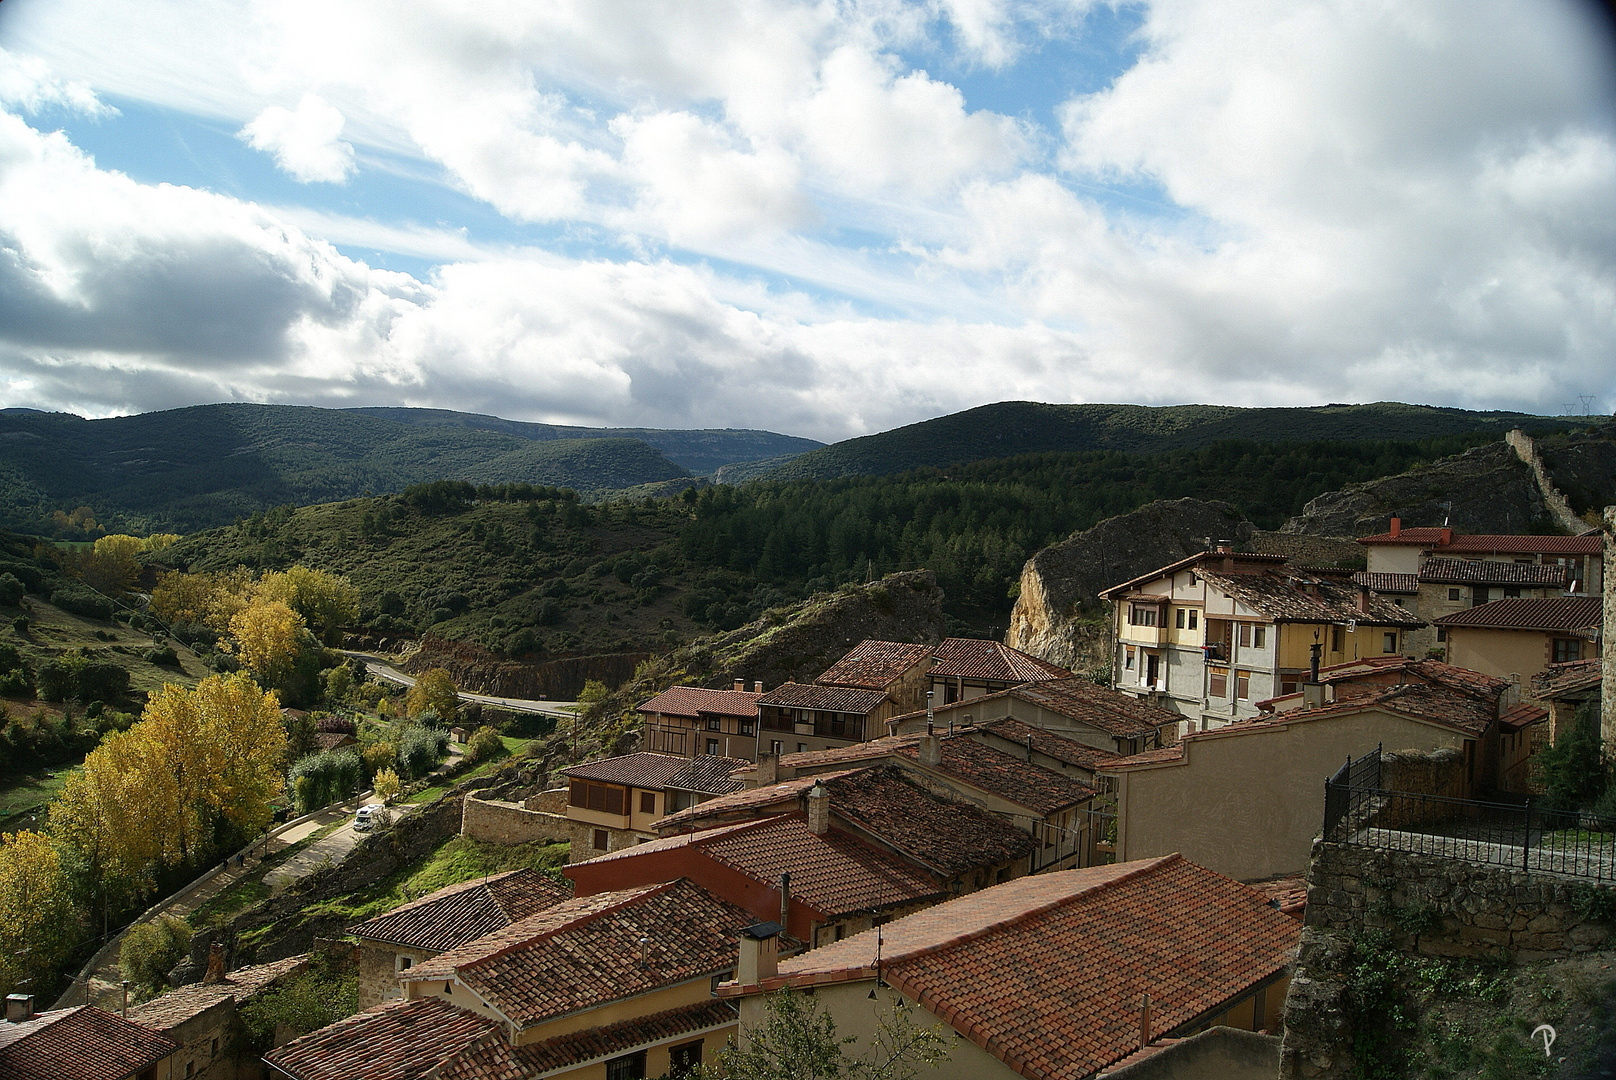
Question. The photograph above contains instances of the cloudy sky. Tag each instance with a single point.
(819, 218)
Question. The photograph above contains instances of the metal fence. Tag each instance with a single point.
(1358, 811)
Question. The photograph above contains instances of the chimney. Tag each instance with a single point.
(1313, 661)
(740, 684)
(1363, 599)
(757, 686)
(1144, 1021)
(1447, 537)
(768, 769)
(1312, 695)
(1224, 548)
(818, 809)
(785, 899)
(1397, 527)
(758, 959)
(215, 972)
(931, 749)
(19, 1007)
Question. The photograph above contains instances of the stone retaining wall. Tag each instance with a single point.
(511, 823)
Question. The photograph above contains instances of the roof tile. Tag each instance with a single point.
(396, 1040)
(645, 769)
(1481, 572)
(193, 999)
(793, 695)
(456, 914)
(692, 701)
(873, 664)
(975, 658)
(1560, 613)
(83, 1042)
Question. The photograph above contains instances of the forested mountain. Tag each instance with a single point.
(194, 468)
(1022, 427)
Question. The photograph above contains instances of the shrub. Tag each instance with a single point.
(338, 681)
(102, 680)
(338, 725)
(484, 745)
(150, 951)
(17, 683)
(58, 679)
(20, 624)
(1573, 770)
(379, 757)
(162, 657)
(11, 590)
(419, 749)
(313, 999)
(82, 601)
(323, 778)
(387, 785)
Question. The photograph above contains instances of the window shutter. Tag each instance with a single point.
(614, 800)
(578, 794)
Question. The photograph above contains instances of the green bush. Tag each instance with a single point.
(419, 749)
(82, 601)
(310, 1000)
(485, 744)
(17, 683)
(150, 951)
(1573, 771)
(324, 778)
(165, 656)
(11, 590)
(75, 677)
(20, 624)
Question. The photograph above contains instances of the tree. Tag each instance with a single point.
(268, 636)
(38, 924)
(151, 949)
(1574, 770)
(485, 744)
(112, 565)
(797, 1041)
(244, 744)
(387, 785)
(435, 690)
(327, 602)
(337, 683)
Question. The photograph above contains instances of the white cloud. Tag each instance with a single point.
(26, 83)
(305, 141)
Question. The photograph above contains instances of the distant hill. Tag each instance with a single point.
(1009, 428)
(186, 469)
(702, 452)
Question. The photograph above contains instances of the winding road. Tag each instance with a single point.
(381, 667)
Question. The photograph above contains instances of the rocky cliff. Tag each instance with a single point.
(1064, 579)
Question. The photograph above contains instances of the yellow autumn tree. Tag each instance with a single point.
(183, 598)
(111, 565)
(267, 636)
(328, 602)
(435, 690)
(38, 926)
(244, 745)
(101, 814)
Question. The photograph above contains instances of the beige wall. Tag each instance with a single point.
(510, 823)
(1505, 653)
(1248, 804)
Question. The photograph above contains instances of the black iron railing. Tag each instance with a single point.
(1519, 835)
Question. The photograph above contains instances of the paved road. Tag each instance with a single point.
(381, 668)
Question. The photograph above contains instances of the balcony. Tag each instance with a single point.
(1143, 635)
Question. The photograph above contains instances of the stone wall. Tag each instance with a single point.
(511, 823)
(553, 801)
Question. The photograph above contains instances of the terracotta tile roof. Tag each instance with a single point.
(972, 658)
(693, 701)
(396, 1040)
(83, 1042)
(1285, 594)
(193, 999)
(1403, 584)
(1111, 711)
(1434, 703)
(1479, 572)
(644, 769)
(949, 838)
(1044, 791)
(1418, 537)
(885, 746)
(493, 1058)
(1149, 757)
(873, 665)
(333, 740)
(708, 774)
(747, 802)
(794, 695)
(1379, 670)
(1559, 613)
(460, 913)
(1248, 558)
(1050, 743)
(561, 967)
(1288, 894)
(1586, 544)
(1571, 677)
(1522, 716)
(1046, 972)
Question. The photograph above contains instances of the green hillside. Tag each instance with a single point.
(703, 452)
(1009, 428)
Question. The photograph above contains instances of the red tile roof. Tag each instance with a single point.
(636, 941)
(972, 658)
(1247, 558)
(492, 1058)
(1046, 972)
(644, 769)
(460, 913)
(1481, 572)
(193, 999)
(1491, 543)
(1149, 757)
(709, 774)
(692, 701)
(1111, 711)
(1049, 743)
(743, 803)
(885, 746)
(84, 1043)
(1044, 791)
(1288, 894)
(1434, 703)
(1522, 716)
(396, 1040)
(1560, 613)
(1404, 584)
(1571, 677)
(1380, 670)
(874, 665)
(794, 695)
(1285, 594)
(1417, 537)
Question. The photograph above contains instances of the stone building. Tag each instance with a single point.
(200, 1017)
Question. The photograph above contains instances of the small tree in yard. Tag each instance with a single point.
(1574, 771)
(796, 1041)
(434, 690)
(386, 785)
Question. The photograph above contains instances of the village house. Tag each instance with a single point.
(864, 843)
(1565, 688)
(1244, 799)
(688, 720)
(617, 984)
(1406, 551)
(1515, 639)
(1209, 636)
(798, 717)
(1053, 805)
(413, 933)
(1074, 708)
(200, 1018)
(82, 1041)
(966, 668)
(896, 668)
(1057, 976)
(618, 802)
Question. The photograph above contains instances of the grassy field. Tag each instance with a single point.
(22, 802)
(55, 631)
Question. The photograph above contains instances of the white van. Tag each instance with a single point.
(369, 816)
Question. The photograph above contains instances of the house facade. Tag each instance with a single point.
(687, 721)
(618, 802)
(1515, 639)
(1211, 635)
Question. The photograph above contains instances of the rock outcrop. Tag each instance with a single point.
(1061, 581)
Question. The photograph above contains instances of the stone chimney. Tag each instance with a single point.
(1397, 527)
(931, 749)
(19, 1007)
(1312, 695)
(759, 959)
(757, 686)
(768, 769)
(1447, 537)
(818, 809)
(215, 972)
(785, 899)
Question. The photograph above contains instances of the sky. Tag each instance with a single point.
(819, 218)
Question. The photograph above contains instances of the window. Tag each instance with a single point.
(1218, 684)
(1453, 594)
(802, 748)
(1389, 642)
(1259, 637)
(627, 1067)
(603, 840)
(214, 1049)
(190, 1069)
(712, 747)
(714, 724)
(1127, 658)
(1566, 649)
(1336, 638)
(1442, 633)
(776, 747)
(1142, 614)
(1288, 684)
(1245, 635)
(1181, 618)
(647, 802)
(1479, 596)
(405, 963)
(1242, 685)
(683, 1059)
(748, 727)
(1512, 592)
(1195, 617)
(587, 796)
